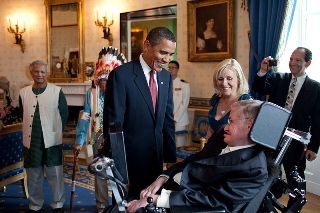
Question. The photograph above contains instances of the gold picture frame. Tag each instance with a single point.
(210, 30)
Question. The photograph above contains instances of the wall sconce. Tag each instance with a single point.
(17, 30)
(104, 24)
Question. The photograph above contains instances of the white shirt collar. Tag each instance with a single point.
(234, 148)
(146, 70)
(145, 67)
(300, 79)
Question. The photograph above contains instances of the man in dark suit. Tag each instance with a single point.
(146, 118)
(229, 178)
(305, 106)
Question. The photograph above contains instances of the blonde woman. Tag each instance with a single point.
(230, 85)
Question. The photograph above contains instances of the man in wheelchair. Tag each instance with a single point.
(226, 175)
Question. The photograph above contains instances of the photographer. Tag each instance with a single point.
(299, 94)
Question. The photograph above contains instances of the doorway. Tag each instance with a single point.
(135, 25)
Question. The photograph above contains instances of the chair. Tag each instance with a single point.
(11, 152)
(270, 131)
(194, 138)
(200, 125)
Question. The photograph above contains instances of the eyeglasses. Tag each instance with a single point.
(231, 121)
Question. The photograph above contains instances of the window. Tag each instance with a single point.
(306, 33)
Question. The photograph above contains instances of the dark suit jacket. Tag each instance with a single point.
(305, 111)
(148, 136)
(229, 181)
(213, 147)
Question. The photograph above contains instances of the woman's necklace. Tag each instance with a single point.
(224, 106)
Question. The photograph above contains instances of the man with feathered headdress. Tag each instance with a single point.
(92, 116)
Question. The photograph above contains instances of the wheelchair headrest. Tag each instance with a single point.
(270, 124)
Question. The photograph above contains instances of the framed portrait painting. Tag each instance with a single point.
(210, 30)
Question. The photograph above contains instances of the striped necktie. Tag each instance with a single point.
(291, 94)
(153, 89)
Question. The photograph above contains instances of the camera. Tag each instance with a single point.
(273, 63)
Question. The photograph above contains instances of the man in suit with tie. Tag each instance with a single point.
(298, 93)
(227, 173)
(139, 99)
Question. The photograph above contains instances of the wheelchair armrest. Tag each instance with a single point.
(196, 209)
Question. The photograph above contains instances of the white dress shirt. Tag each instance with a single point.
(146, 70)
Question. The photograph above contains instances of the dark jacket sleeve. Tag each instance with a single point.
(63, 108)
(315, 122)
(113, 111)
(213, 147)
(222, 185)
(169, 145)
(259, 84)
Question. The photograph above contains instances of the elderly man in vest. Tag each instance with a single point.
(45, 111)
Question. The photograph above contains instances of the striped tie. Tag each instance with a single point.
(291, 94)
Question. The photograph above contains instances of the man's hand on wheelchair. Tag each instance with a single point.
(134, 205)
(310, 155)
(154, 187)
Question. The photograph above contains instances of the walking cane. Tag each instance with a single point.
(73, 185)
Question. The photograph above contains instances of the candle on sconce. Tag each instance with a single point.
(105, 12)
(9, 21)
(111, 16)
(96, 14)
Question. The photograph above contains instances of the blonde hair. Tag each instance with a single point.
(233, 65)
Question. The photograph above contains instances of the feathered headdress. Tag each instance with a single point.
(108, 60)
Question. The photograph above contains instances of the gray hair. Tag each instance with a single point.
(249, 108)
(38, 62)
(233, 65)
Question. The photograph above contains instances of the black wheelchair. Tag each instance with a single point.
(272, 118)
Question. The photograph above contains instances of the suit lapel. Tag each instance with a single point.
(161, 90)
(287, 83)
(142, 85)
(284, 88)
(303, 94)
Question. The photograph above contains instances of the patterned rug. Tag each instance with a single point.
(13, 199)
(83, 177)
